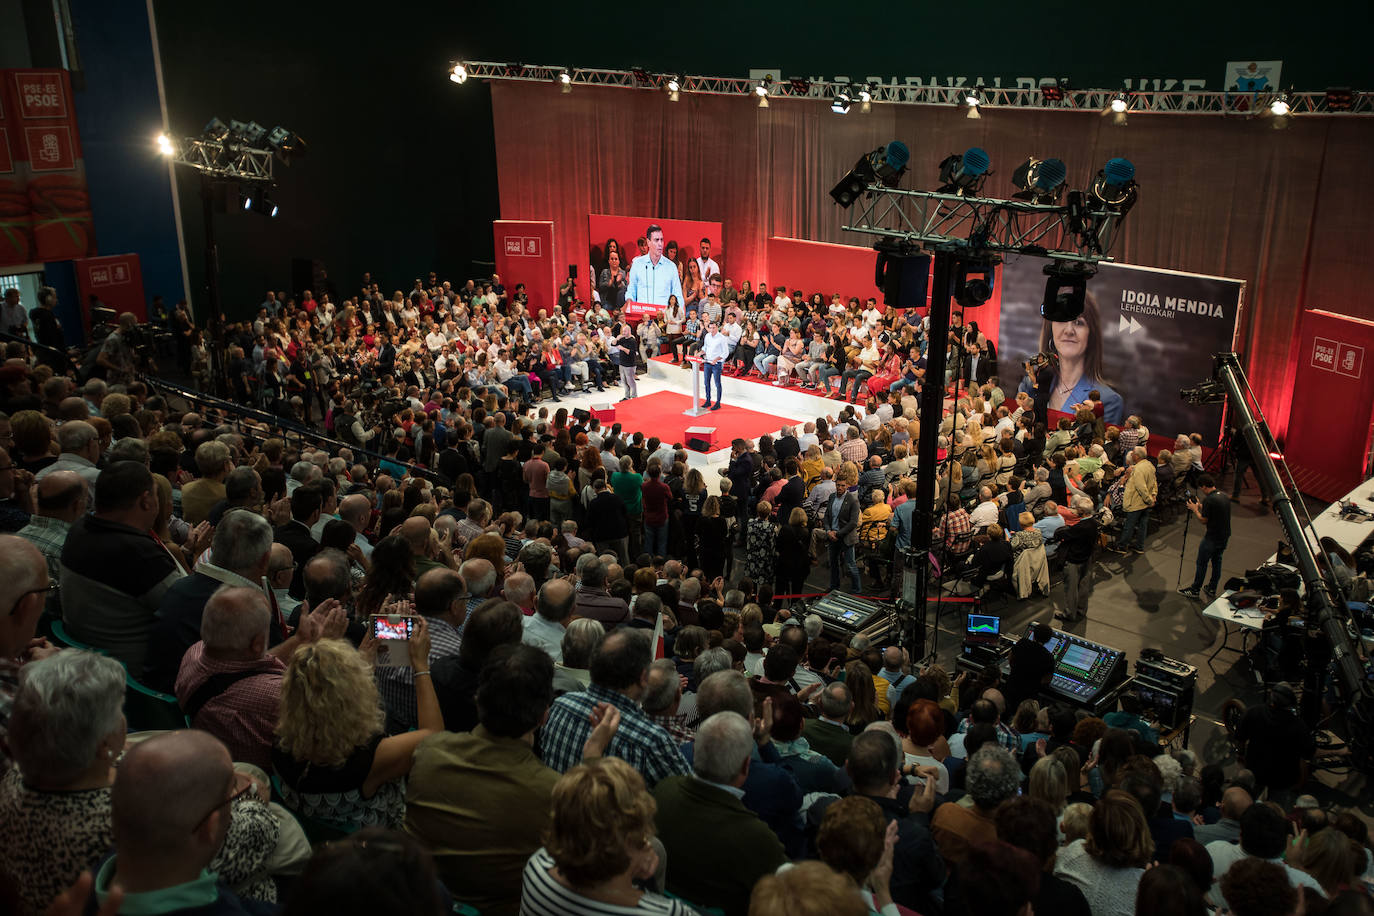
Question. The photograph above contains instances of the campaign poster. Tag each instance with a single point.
(524, 254)
(1145, 334)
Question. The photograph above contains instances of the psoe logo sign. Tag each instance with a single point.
(521, 246)
(513, 245)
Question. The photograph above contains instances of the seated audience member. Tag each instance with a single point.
(1029, 823)
(853, 839)
(554, 607)
(813, 771)
(440, 598)
(114, 573)
(992, 777)
(479, 801)
(229, 683)
(662, 699)
(1167, 890)
(598, 845)
(828, 733)
(770, 791)
(199, 496)
(1107, 865)
(63, 497)
(619, 671)
(1003, 880)
(494, 623)
(373, 871)
(23, 586)
(332, 757)
(242, 550)
(593, 600)
(809, 889)
(173, 810)
(1254, 887)
(579, 644)
(1264, 836)
(716, 847)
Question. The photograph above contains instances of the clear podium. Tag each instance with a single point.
(696, 409)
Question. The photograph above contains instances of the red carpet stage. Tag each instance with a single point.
(662, 415)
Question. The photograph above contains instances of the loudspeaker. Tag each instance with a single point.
(580, 415)
(572, 271)
(903, 279)
(698, 445)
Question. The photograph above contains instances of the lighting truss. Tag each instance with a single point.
(986, 225)
(227, 161)
(1161, 101)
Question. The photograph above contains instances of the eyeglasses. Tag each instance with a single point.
(48, 589)
(247, 787)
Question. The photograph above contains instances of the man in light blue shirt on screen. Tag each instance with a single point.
(653, 278)
(714, 350)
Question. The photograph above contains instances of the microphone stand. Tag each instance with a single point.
(1183, 551)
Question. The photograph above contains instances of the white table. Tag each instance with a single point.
(1245, 622)
(1329, 524)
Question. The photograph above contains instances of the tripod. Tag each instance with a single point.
(1183, 551)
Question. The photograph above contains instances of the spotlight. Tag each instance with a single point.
(215, 130)
(854, 183)
(1120, 102)
(841, 103)
(1340, 98)
(641, 75)
(1052, 92)
(866, 98)
(761, 90)
(1114, 188)
(886, 164)
(1280, 107)
(799, 85)
(246, 200)
(674, 86)
(285, 144)
(273, 211)
(1041, 181)
(459, 74)
(249, 134)
(974, 99)
(164, 145)
(964, 175)
(973, 286)
(1065, 290)
(1117, 108)
(565, 78)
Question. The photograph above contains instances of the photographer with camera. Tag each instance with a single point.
(123, 351)
(1215, 510)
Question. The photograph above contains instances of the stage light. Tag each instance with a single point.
(273, 212)
(459, 74)
(1340, 98)
(800, 85)
(1120, 102)
(1117, 108)
(964, 175)
(215, 129)
(866, 98)
(761, 90)
(854, 182)
(973, 98)
(1065, 289)
(973, 285)
(164, 145)
(1280, 107)
(1052, 92)
(841, 102)
(1114, 188)
(565, 78)
(285, 144)
(642, 76)
(246, 200)
(1041, 181)
(249, 134)
(674, 86)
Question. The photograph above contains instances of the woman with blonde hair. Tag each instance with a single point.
(332, 756)
(1108, 864)
(1049, 781)
(859, 680)
(600, 842)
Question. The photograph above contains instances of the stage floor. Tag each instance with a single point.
(662, 414)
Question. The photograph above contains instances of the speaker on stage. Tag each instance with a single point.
(903, 279)
(580, 415)
(698, 445)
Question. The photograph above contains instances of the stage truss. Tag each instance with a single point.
(1044, 97)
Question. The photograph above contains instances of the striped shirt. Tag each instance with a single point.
(639, 742)
(542, 895)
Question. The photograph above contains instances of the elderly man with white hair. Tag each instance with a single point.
(80, 444)
(718, 847)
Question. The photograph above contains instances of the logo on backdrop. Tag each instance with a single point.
(50, 148)
(1335, 356)
(40, 94)
(1252, 75)
(522, 246)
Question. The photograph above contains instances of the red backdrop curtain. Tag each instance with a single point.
(1287, 210)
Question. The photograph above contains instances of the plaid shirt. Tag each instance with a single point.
(397, 684)
(639, 742)
(245, 714)
(955, 528)
(855, 450)
(1006, 735)
(48, 535)
(676, 727)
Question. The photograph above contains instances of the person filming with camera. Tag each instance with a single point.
(1214, 509)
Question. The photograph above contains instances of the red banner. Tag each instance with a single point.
(45, 212)
(524, 254)
(1327, 439)
(116, 280)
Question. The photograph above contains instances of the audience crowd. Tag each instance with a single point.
(604, 698)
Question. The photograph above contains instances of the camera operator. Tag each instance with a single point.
(123, 351)
(1215, 510)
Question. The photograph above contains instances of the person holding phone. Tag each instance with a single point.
(332, 754)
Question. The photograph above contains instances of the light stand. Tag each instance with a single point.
(966, 232)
